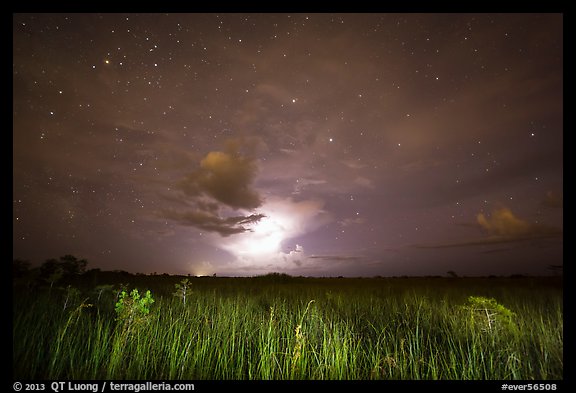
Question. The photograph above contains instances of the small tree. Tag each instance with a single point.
(183, 290)
(132, 314)
(133, 309)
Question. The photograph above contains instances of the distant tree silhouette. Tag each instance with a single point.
(452, 274)
(51, 272)
(275, 277)
(20, 268)
(72, 265)
(50, 267)
(515, 276)
(67, 266)
(556, 269)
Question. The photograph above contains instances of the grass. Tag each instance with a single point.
(297, 328)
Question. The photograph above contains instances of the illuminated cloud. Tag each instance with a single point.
(505, 224)
(502, 227)
(261, 249)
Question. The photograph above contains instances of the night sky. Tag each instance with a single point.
(309, 144)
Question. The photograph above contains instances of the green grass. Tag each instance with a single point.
(293, 329)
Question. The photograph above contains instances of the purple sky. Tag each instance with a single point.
(310, 144)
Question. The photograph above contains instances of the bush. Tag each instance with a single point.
(132, 310)
(489, 315)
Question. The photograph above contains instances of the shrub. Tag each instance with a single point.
(489, 315)
(132, 310)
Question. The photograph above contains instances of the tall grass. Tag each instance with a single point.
(302, 329)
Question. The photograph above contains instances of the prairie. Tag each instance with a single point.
(278, 327)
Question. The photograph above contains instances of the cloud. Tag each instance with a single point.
(212, 222)
(502, 227)
(364, 182)
(274, 92)
(225, 177)
(338, 258)
(295, 257)
(221, 185)
(505, 224)
(553, 200)
(352, 221)
(262, 249)
(303, 183)
(353, 164)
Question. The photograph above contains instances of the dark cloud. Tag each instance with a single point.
(222, 182)
(337, 257)
(226, 177)
(212, 222)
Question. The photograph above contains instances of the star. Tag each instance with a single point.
(174, 125)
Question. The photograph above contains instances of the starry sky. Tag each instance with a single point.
(309, 144)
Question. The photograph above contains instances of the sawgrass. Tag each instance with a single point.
(240, 329)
